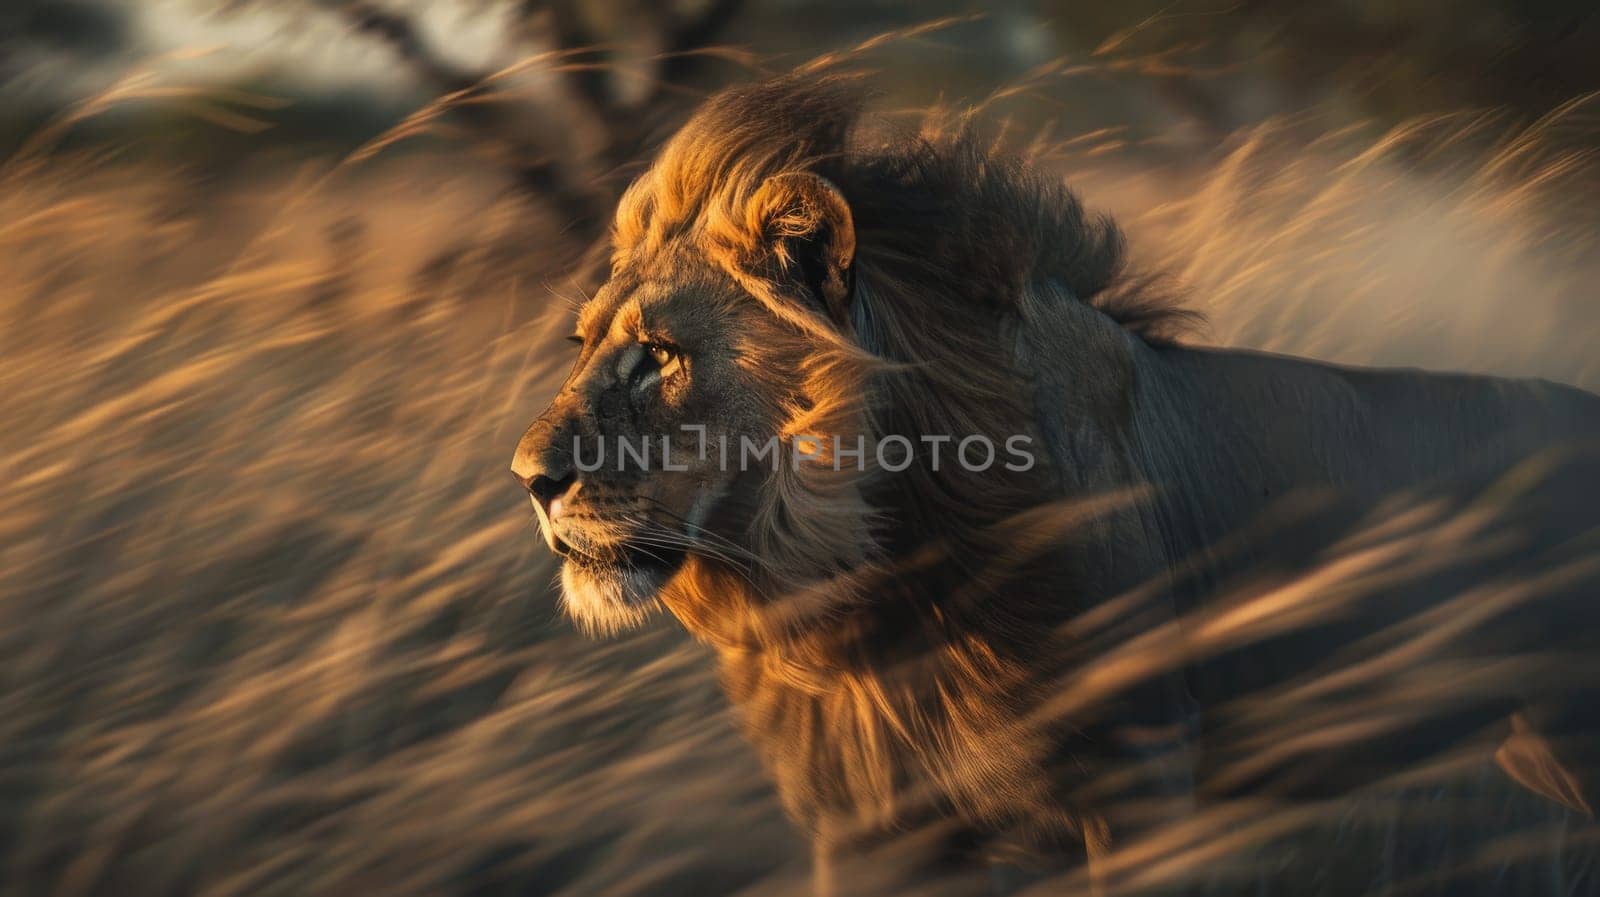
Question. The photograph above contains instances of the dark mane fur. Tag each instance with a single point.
(919, 670)
(940, 213)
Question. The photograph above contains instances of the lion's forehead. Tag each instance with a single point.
(596, 315)
(671, 291)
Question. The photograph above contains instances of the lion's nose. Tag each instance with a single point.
(549, 476)
(550, 494)
(550, 491)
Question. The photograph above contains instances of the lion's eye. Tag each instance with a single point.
(667, 358)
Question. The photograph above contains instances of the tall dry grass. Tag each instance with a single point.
(273, 616)
(1468, 241)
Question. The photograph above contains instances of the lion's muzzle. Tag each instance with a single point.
(547, 472)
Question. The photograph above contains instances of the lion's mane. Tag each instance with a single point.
(869, 658)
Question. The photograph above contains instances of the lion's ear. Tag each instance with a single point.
(807, 223)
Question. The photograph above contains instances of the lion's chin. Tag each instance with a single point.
(605, 599)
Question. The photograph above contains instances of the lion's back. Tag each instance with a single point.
(1474, 421)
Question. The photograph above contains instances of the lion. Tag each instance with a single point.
(942, 662)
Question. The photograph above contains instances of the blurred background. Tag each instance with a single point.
(282, 281)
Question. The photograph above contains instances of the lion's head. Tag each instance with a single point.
(721, 334)
(772, 278)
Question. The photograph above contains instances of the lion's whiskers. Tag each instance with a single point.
(659, 536)
(701, 535)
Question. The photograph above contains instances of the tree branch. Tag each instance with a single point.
(625, 129)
